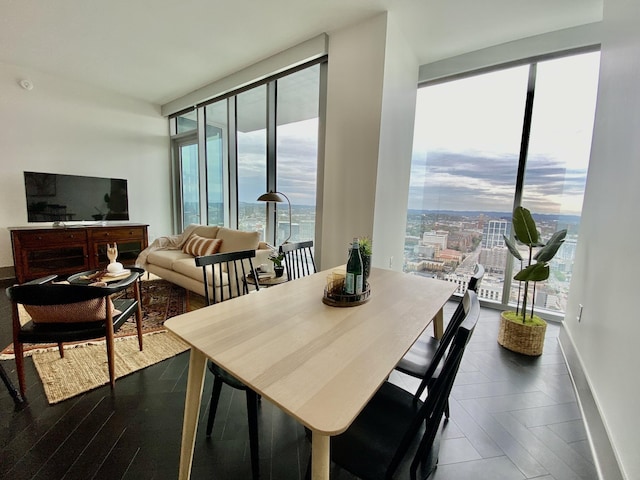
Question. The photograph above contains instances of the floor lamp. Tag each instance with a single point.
(272, 196)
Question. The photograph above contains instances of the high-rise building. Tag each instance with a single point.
(493, 231)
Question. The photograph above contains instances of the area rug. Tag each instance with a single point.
(160, 300)
(85, 368)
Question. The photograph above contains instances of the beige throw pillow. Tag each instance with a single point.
(200, 246)
(237, 241)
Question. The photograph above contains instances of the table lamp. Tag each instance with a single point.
(272, 196)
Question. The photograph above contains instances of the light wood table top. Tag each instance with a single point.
(321, 364)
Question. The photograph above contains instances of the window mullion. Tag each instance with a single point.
(272, 213)
(522, 164)
(233, 161)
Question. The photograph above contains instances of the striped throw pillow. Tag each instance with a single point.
(199, 246)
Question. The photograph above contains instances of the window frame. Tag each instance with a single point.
(231, 163)
(532, 62)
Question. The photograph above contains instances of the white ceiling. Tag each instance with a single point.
(159, 50)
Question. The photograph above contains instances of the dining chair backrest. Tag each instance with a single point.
(234, 265)
(476, 278)
(461, 310)
(433, 408)
(395, 437)
(298, 259)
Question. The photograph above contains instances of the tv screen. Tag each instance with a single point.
(54, 197)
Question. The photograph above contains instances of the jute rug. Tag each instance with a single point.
(84, 366)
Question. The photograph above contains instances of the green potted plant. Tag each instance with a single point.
(523, 331)
(365, 254)
(277, 258)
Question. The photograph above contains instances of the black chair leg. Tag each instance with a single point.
(215, 397)
(17, 398)
(252, 412)
(446, 409)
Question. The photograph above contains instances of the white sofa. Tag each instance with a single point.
(166, 258)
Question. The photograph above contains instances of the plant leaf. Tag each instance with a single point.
(533, 273)
(512, 248)
(546, 253)
(525, 227)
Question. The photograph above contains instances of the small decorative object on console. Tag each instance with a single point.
(112, 254)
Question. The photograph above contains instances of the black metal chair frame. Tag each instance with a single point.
(234, 262)
(41, 292)
(298, 259)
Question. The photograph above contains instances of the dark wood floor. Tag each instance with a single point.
(512, 417)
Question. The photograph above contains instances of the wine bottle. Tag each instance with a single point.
(353, 280)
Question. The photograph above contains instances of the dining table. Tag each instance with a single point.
(317, 362)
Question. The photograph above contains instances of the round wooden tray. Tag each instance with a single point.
(346, 300)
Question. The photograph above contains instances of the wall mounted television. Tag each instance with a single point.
(59, 198)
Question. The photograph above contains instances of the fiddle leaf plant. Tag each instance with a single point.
(526, 233)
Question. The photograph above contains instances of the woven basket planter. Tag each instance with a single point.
(521, 338)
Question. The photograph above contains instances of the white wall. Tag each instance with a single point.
(605, 278)
(396, 142)
(371, 88)
(65, 127)
(354, 102)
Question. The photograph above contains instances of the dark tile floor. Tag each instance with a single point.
(512, 417)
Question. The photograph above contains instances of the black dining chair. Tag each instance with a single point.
(425, 355)
(298, 259)
(235, 266)
(63, 313)
(396, 437)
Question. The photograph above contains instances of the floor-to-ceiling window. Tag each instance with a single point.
(486, 143)
(259, 139)
(297, 152)
(251, 112)
(216, 145)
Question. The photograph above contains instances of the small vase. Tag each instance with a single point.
(279, 270)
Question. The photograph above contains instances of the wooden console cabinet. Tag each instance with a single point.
(41, 251)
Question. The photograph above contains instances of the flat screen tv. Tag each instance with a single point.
(58, 198)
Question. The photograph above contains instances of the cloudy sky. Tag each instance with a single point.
(297, 153)
(467, 139)
(466, 143)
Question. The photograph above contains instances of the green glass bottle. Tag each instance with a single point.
(353, 280)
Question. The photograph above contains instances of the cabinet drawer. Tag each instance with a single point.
(117, 234)
(42, 239)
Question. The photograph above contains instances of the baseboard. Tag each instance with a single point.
(603, 453)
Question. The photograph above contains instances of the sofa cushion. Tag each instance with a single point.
(188, 268)
(165, 258)
(207, 231)
(200, 246)
(237, 241)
